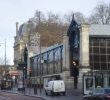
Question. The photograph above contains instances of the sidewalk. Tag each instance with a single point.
(27, 92)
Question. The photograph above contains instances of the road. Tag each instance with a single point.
(70, 95)
(64, 98)
(10, 96)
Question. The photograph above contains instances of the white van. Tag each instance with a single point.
(55, 86)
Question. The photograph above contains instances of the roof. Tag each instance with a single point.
(51, 47)
(100, 30)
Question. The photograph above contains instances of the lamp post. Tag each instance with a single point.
(40, 64)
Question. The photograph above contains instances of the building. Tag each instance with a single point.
(94, 56)
(99, 48)
(25, 38)
(54, 62)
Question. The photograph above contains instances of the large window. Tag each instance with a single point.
(99, 50)
(96, 50)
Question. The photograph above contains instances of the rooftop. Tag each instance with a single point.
(96, 29)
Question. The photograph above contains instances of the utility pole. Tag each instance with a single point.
(5, 52)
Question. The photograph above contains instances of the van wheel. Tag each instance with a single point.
(64, 93)
(46, 92)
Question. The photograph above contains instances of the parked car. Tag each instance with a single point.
(55, 87)
(98, 94)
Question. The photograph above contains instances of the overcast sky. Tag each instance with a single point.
(12, 11)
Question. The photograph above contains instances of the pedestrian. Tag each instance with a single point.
(76, 74)
(75, 82)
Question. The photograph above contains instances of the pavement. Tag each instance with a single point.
(70, 94)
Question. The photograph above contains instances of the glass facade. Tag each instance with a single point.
(52, 62)
(99, 53)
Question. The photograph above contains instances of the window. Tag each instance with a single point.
(99, 53)
(108, 66)
(102, 43)
(103, 58)
(96, 50)
(96, 66)
(90, 49)
(96, 58)
(108, 57)
(108, 50)
(103, 50)
(108, 43)
(103, 66)
(91, 58)
(96, 43)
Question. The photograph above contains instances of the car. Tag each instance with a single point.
(98, 94)
(55, 87)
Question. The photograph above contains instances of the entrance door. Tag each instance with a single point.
(88, 84)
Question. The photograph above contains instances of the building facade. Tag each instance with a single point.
(25, 39)
(94, 56)
(54, 62)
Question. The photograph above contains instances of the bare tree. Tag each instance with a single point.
(2, 61)
(52, 26)
(100, 14)
(39, 17)
(79, 17)
(52, 18)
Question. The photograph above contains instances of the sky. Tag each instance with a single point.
(13, 11)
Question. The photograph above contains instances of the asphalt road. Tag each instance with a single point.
(10, 96)
(64, 98)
